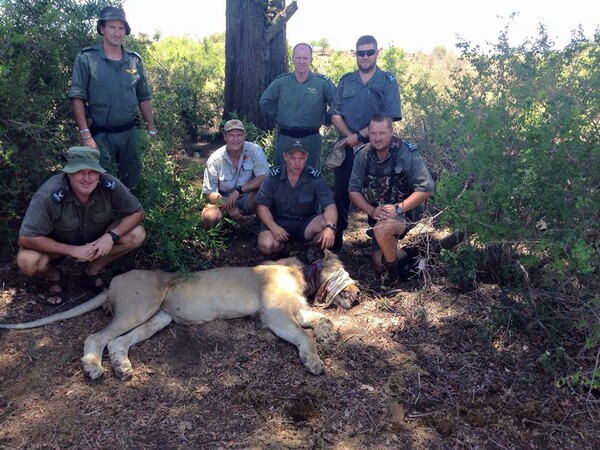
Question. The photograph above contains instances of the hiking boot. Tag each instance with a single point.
(393, 273)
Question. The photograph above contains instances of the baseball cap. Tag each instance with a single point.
(82, 158)
(112, 13)
(234, 124)
(296, 146)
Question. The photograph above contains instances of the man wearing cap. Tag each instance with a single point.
(232, 176)
(108, 86)
(84, 214)
(298, 102)
(288, 204)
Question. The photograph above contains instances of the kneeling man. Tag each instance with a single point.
(83, 213)
(288, 203)
(390, 181)
(232, 176)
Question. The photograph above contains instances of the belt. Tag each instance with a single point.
(298, 132)
(95, 129)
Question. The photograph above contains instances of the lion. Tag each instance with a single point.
(144, 302)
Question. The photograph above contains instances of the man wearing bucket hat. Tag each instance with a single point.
(83, 213)
(108, 87)
(232, 176)
(288, 204)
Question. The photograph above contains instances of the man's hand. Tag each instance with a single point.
(234, 213)
(231, 199)
(327, 238)
(279, 233)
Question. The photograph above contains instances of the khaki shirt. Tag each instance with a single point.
(56, 212)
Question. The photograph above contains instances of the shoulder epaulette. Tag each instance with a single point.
(411, 146)
(132, 53)
(58, 196)
(390, 76)
(88, 49)
(111, 185)
(275, 171)
(325, 77)
(313, 172)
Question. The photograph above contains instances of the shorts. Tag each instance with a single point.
(242, 204)
(294, 227)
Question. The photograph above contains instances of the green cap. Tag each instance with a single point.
(83, 158)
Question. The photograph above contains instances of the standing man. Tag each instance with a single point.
(108, 86)
(390, 182)
(232, 176)
(84, 214)
(298, 102)
(359, 96)
(288, 202)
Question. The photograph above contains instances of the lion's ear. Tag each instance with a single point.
(326, 254)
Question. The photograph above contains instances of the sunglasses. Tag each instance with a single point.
(366, 52)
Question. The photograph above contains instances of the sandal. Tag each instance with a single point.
(95, 283)
(56, 291)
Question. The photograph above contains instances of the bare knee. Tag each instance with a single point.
(267, 245)
(211, 216)
(135, 238)
(31, 262)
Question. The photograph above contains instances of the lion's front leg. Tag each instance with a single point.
(323, 327)
(284, 326)
(118, 349)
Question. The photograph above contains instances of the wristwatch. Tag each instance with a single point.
(399, 210)
(115, 237)
(333, 226)
(239, 189)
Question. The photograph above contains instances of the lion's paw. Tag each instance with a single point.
(92, 368)
(314, 365)
(325, 332)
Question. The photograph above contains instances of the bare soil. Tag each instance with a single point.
(424, 366)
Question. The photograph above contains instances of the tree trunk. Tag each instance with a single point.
(255, 53)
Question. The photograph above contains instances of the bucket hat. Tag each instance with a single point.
(112, 13)
(82, 158)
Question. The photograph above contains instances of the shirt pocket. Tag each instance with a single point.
(102, 215)
(66, 224)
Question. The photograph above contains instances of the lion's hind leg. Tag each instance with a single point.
(322, 326)
(284, 325)
(118, 349)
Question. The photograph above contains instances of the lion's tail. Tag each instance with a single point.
(79, 310)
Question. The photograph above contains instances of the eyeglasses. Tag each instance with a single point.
(366, 52)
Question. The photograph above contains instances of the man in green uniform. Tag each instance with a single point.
(287, 203)
(84, 214)
(108, 86)
(390, 181)
(298, 102)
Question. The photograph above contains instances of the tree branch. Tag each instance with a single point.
(280, 21)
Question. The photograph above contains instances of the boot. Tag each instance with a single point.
(393, 274)
(338, 244)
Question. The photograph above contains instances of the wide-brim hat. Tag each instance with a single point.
(112, 13)
(83, 158)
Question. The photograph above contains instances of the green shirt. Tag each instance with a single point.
(112, 89)
(56, 212)
(296, 105)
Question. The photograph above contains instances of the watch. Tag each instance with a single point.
(239, 189)
(333, 226)
(115, 237)
(399, 210)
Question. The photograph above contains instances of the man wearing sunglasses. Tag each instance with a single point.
(359, 96)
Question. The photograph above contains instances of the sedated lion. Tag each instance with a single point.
(144, 302)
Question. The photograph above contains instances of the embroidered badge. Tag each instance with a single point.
(131, 71)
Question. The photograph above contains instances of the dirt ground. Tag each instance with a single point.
(424, 366)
